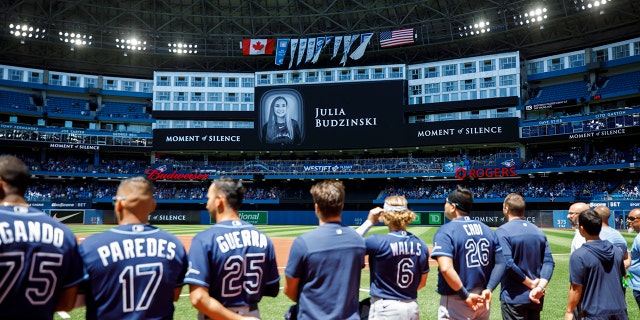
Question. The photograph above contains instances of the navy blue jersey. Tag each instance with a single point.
(472, 246)
(397, 261)
(328, 262)
(527, 254)
(38, 259)
(132, 271)
(235, 261)
(598, 267)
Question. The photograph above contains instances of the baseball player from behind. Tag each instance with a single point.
(399, 262)
(40, 267)
(470, 261)
(133, 271)
(232, 264)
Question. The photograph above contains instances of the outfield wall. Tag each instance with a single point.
(493, 218)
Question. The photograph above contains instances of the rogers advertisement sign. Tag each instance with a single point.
(484, 173)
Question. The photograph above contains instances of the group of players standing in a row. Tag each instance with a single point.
(136, 271)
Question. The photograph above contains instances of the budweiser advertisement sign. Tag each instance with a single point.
(163, 173)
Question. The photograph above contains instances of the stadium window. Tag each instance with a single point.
(600, 55)
(54, 80)
(214, 96)
(507, 63)
(416, 90)
(230, 97)
(378, 73)
(179, 96)
(181, 81)
(215, 82)
(345, 75)
(296, 77)
(432, 88)
(432, 72)
(231, 82)
(555, 64)
(362, 74)
(73, 82)
(636, 48)
(247, 97)
(147, 87)
(327, 76)
(488, 82)
(508, 80)
(35, 77)
(445, 98)
(449, 70)
(468, 84)
(396, 73)
(163, 95)
(263, 79)
(196, 96)
(312, 76)
(416, 74)
(454, 96)
(162, 81)
(280, 78)
(196, 124)
(197, 82)
(468, 67)
(619, 52)
(576, 60)
(450, 86)
(487, 65)
(15, 75)
(535, 67)
(247, 82)
(128, 86)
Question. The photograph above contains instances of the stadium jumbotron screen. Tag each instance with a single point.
(336, 116)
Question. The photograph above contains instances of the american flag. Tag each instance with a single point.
(395, 38)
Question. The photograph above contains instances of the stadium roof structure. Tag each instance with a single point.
(217, 27)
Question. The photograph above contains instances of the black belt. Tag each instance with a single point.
(253, 306)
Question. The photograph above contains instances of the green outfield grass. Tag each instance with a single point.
(274, 308)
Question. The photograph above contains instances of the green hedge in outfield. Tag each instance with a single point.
(274, 308)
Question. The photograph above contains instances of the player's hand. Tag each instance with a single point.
(475, 301)
(374, 215)
(535, 294)
(486, 296)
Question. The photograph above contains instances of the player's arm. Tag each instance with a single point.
(372, 219)
(423, 281)
(201, 300)
(450, 275)
(67, 299)
(291, 288)
(575, 292)
(176, 293)
(627, 260)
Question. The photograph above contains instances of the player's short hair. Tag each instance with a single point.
(462, 198)
(329, 196)
(396, 213)
(591, 222)
(603, 211)
(15, 173)
(148, 187)
(232, 189)
(515, 203)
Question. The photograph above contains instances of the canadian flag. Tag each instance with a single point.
(257, 46)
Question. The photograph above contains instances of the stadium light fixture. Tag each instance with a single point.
(131, 44)
(475, 29)
(581, 5)
(25, 31)
(536, 15)
(75, 39)
(183, 48)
